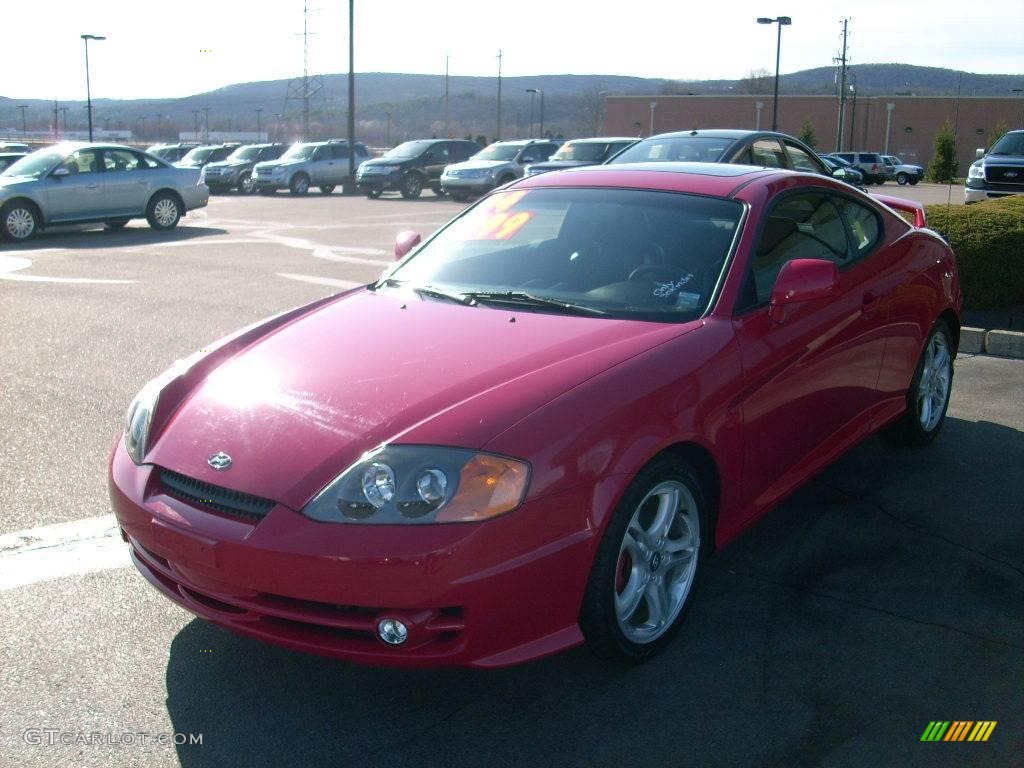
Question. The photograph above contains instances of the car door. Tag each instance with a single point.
(321, 166)
(810, 381)
(435, 159)
(339, 163)
(800, 159)
(125, 182)
(78, 195)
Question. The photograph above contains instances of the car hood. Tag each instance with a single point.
(469, 165)
(7, 182)
(226, 164)
(554, 165)
(305, 399)
(387, 161)
(1014, 160)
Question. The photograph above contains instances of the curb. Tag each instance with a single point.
(977, 341)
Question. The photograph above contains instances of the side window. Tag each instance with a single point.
(846, 156)
(547, 150)
(339, 151)
(802, 226)
(83, 161)
(121, 160)
(862, 224)
(531, 154)
(322, 153)
(800, 159)
(767, 152)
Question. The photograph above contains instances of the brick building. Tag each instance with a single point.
(905, 125)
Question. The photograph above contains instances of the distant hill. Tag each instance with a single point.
(573, 104)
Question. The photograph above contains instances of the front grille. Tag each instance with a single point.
(1005, 174)
(213, 497)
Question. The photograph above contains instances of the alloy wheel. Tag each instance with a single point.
(20, 223)
(165, 212)
(933, 386)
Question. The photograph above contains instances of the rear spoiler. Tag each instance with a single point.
(906, 206)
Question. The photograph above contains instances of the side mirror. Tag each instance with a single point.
(61, 170)
(405, 242)
(802, 280)
(979, 153)
(839, 173)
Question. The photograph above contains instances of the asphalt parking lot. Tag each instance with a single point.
(886, 594)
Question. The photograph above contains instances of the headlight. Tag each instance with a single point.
(422, 484)
(977, 171)
(140, 417)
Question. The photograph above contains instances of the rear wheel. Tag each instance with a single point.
(19, 220)
(373, 193)
(648, 562)
(299, 184)
(901, 178)
(412, 186)
(163, 211)
(928, 396)
(326, 189)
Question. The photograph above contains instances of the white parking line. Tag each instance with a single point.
(11, 264)
(65, 549)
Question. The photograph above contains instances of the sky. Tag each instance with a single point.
(161, 50)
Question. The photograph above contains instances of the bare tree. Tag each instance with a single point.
(757, 81)
(590, 104)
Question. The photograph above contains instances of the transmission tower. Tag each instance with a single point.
(302, 90)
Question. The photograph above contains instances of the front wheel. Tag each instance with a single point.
(928, 396)
(19, 220)
(163, 212)
(412, 186)
(901, 179)
(326, 189)
(299, 184)
(246, 185)
(374, 192)
(647, 563)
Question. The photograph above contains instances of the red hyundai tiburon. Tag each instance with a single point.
(534, 428)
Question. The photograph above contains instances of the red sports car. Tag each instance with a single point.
(535, 427)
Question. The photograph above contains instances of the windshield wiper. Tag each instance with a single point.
(440, 293)
(523, 299)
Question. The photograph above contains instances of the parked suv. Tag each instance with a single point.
(869, 163)
(235, 171)
(172, 153)
(582, 152)
(411, 166)
(499, 164)
(998, 173)
(900, 172)
(308, 164)
(209, 153)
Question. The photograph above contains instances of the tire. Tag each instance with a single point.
(505, 180)
(412, 186)
(115, 225)
(648, 562)
(374, 193)
(880, 180)
(299, 185)
(163, 211)
(326, 189)
(914, 179)
(458, 197)
(438, 192)
(267, 192)
(901, 178)
(19, 221)
(928, 395)
(246, 186)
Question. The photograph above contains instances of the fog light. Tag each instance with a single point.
(392, 631)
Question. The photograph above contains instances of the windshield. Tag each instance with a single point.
(35, 165)
(245, 153)
(1009, 144)
(408, 149)
(698, 149)
(299, 152)
(198, 155)
(498, 152)
(627, 253)
(588, 151)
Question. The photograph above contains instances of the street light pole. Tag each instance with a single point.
(24, 125)
(532, 92)
(88, 87)
(259, 133)
(782, 21)
(351, 97)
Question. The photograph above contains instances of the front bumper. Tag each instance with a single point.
(382, 181)
(476, 185)
(477, 594)
(976, 190)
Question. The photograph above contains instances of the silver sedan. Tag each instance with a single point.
(76, 183)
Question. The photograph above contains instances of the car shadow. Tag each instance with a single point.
(829, 633)
(95, 236)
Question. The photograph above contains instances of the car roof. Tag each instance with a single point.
(601, 139)
(717, 179)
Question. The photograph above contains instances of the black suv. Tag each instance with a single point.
(235, 171)
(411, 166)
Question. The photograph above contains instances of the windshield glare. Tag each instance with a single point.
(588, 151)
(408, 149)
(498, 152)
(198, 155)
(698, 149)
(299, 152)
(35, 165)
(245, 153)
(630, 253)
(1009, 144)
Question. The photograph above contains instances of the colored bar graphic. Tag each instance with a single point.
(958, 730)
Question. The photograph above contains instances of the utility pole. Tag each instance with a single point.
(195, 117)
(853, 110)
(498, 134)
(64, 115)
(142, 131)
(842, 89)
(24, 125)
(206, 123)
(351, 98)
(259, 135)
(447, 134)
(55, 110)
(387, 141)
